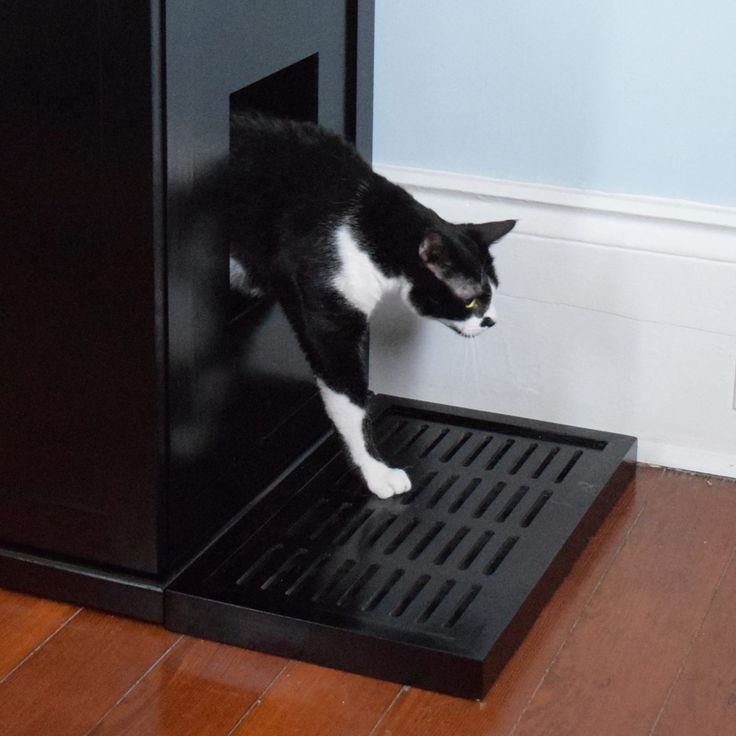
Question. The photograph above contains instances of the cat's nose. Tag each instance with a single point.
(487, 322)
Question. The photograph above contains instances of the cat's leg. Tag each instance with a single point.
(350, 421)
(334, 338)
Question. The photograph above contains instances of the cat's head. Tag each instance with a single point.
(456, 281)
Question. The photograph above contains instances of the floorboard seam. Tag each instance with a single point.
(575, 623)
(143, 676)
(389, 708)
(693, 642)
(40, 646)
(259, 699)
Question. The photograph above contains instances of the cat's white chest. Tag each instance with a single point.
(358, 279)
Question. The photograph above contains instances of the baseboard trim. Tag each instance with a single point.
(686, 458)
(650, 224)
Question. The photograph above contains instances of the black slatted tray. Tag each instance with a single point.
(435, 588)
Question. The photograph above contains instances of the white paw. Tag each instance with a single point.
(385, 482)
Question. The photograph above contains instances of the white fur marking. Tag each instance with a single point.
(471, 327)
(358, 279)
(237, 275)
(240, 281)
(491, 311)
(348, 419)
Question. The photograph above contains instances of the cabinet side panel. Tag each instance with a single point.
(79, 415)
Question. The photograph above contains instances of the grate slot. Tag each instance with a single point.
(491, 496)
(401, 537)
(451, 546)
(512, 503)
(353, 527)
(536, 508)
(407, 498)
(425, 541)
(498, 455)
(464, 605)
(449, 454)
(522, 460)
(311, 572)
(411, 596)
(569, 466)
(337, 577)
(383, 591)
(442, 490)
(357, 587)
(305, 519)
(289, 565)
(330, 521)
(381, 529)
(501, 555)
(476, 550)
(393, 431)
(413, 439)
(260, 564)
(435, 603)
(545, 463)
(470, 459)
(466, 493)
(441, 436)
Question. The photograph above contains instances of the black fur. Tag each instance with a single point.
(292, 184)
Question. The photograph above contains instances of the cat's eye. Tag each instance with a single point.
(472, 304)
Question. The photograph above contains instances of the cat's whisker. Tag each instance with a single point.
(465, 360)
(471, 354)
(476, 368)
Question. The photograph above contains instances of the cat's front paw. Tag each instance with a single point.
(385, 482)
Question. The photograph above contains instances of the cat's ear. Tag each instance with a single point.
(489, 232)
(433, 254)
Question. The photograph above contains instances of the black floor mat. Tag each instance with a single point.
(434, 588)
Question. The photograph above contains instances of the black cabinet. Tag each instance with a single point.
(140, 409)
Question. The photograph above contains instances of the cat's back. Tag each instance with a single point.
(293, 154)
(292, 185)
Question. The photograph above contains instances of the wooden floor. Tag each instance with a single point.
(639, 639)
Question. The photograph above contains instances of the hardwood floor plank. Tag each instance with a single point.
(419, 712)
(199, 689)
(78, 675)
(25, 623)
(314, 701)
(613, 674)
(703, 700)
(640, 636)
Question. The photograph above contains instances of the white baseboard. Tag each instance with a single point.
(616, 312)
(652, 224)
(686, 458)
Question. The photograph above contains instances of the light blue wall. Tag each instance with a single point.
(633, 96)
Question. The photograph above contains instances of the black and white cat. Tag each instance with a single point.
(315, 227)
